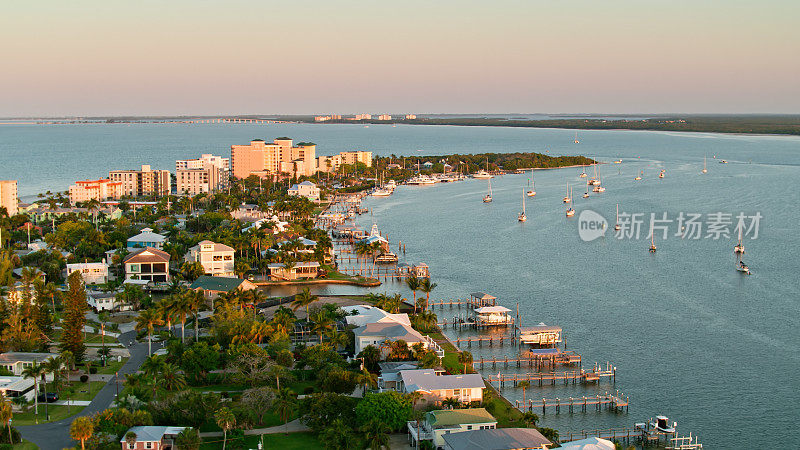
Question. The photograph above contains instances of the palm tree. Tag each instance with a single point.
(35, 371)
(6, 413)
(413, 283)
(530, 418)
(151, 367)
(103, 317)
(414, 397)
(426, 286)
(171, 379)
(322, 323)
(166, 307)
(182, 308)
(148, 320)
(225, 420)
(367, 379)
(465, 358)
(304, 299)
(196, 302)
(524, 385)
(377, 434)
(81, 430)
(188, 439)
(285, 404)
(450, 403)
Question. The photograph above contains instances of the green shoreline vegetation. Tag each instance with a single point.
(744, 124)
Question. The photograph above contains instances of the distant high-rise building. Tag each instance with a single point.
(137, 183)
(411, 116)
(363, 117)
(271, 160)
(385, 117)
(102, 189)
(8, 196)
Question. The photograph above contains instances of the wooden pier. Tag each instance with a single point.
(575, 376)
(489, 340)
(622, 434)
(615, 402)
(561, 358)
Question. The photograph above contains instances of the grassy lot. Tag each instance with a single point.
(82, 391)
(292, 441)
(25, 445)
(111, 367)
(56, 413)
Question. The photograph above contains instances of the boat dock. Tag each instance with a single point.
(615, 402)
(531, 360)
(576, 376)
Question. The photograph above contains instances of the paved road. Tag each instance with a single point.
(55, 435)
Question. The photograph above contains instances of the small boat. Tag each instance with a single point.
(705, 169)
(739, 247)
(661, 174)
(381, 193)
(595, 180)
(742, 267)
(653, 243)
(723, 162)
(386, 258)
(522, 217)
(570, 211)
(586, 194)
(532, 191)
(582, 174)
(616, 225)
(619, 161)
(488, 197)
(597, 187)
(639, 177)
(576, 138)
(567, 198)
(484, 173)
(661, 424)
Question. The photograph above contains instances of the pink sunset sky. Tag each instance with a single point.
(302, 57)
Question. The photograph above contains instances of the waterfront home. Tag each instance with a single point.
(212, 287)
(466, 388)
(305, 189)
(146, 239)
(217, 259)
(487, 316)
(303, 269)
(148, 264)
(105, 301)
(541, 335)
(16, 362)
(360, 315)
(389, 377)
(592, 443)
(439, 423)
(382, 333)
(15, 387)
(91, 272)
(152, 438)
(497, 439)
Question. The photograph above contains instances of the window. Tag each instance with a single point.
(469, 427)
(148, 445)
(131, 446)
(456, 392)
(133, 268)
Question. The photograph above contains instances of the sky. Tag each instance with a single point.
(84, 58)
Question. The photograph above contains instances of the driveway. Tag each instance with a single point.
(56, 434)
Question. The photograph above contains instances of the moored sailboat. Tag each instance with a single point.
(522, 217)
(488, 197)
(616, 224)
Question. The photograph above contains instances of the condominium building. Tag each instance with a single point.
(272, 160)
(362, 117)
(204, 160)
(385, 117)
(411, 116)
(217, 259)
(102, 189)
(91, 272)
(8, 196)
(332, 163)
(137, 183)
(197, 181)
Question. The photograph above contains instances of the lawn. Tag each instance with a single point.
(292, 441)
(82, 391)
(111, 367)
(56, 413)
(25, 445)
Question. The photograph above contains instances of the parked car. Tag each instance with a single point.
(51, 397)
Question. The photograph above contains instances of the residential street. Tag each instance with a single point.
(55, 435)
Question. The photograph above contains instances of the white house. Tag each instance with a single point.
(146, 239)
(14, 387)
(16, 362)
(361, 315)
(439, 423)
(217, 259)
(466, 388)
(105, 301)
(302, 269)
(305, 189)
(92, 273)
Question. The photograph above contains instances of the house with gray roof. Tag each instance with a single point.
(438, 423)
(466, 388)
(16, 362)
(212, 287)
(497, 439)
(147, 238)
(152, 438)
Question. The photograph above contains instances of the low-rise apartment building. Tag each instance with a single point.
(332, 163)
(102, 189)
(91, 272)
(208, 173)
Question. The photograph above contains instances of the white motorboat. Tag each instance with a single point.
(386, 258)
(723, 162)
(661, 424)
(381, 193)
(421, 179)
(619, 161)
(484, 173)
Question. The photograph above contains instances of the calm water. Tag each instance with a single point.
(691, 337)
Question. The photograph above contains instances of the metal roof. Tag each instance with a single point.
(427, 380)
(220, 284)
(482, 296)
(496, 439)
(445, 418)
(492, 309)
